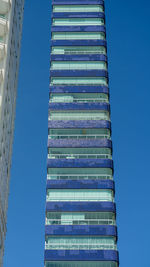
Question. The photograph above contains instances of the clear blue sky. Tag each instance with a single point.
(128, 35)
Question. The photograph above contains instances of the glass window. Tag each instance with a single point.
(79, 81)
(80, 195)
(78, 8)
(80, 218)
(80, 242)
(78, 36)
(77, 22)
(78, 65)
(78, 97)
(79, 153)
(79, 115)
(79, 173)
(73, 50)
(78, 133)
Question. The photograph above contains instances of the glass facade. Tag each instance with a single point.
(80, 224)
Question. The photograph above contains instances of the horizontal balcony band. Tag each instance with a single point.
(82, 124)
(78, 15)
(79, 106)
(83, 230)
(79, 89)
(82, 28)
(80, 156)
(78, 2)
(79, 163)
(80, 57)
(78, 43)
(81, 255)
(79, 177)
(80, 184)
(75, 143)
(80, 222)
(78, 137)
(79, 73)
(80, 206)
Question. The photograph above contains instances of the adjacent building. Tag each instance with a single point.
(11, 14)
(80, 206)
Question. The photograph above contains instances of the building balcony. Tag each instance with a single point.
(80, 176)
(79, 156)
(79, 137)
(82, 218)
(80, 195)
(75, 137)
(78, 50)
(79, 150)
(81, 222)
(78, 114)
(4, 6)
(3, 26)
(69, 99)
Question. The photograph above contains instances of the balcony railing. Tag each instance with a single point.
(80, 222)
(79, 156)
(81, 198)
(79, 53)
(79, 177)
(71, 136)
(82, 246)
(78, 68)
(78, 100)
(65, 116)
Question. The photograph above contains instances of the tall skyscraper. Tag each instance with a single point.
(80, 208)
(11, 14)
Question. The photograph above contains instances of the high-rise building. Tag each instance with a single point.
(11, 14)
(80, 208)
